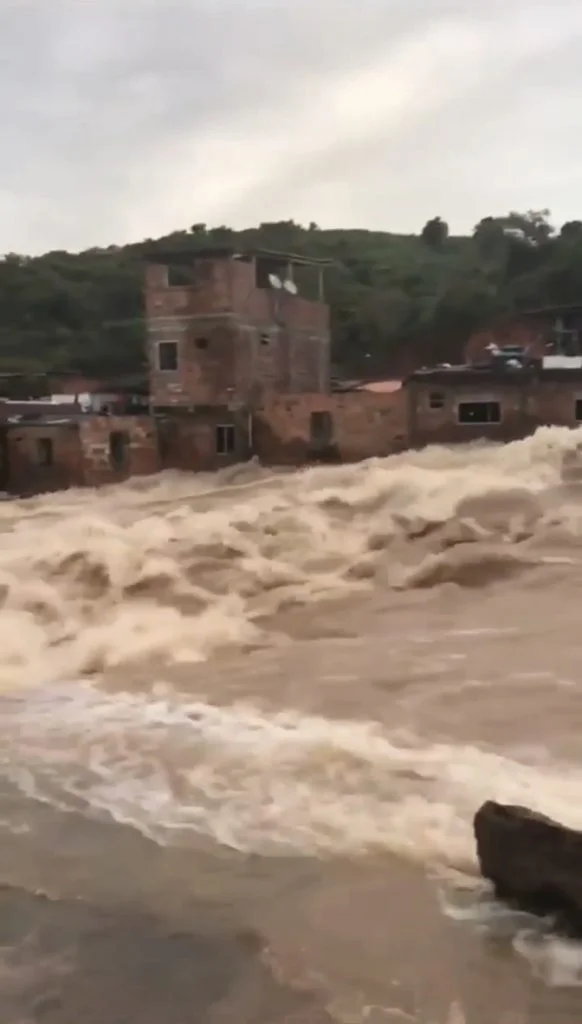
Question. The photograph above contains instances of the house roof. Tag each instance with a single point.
(375, 386)
(23, 385)
(471, 375)
(218, 252)
(569, 307)
(381, 387)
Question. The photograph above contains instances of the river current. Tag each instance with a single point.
(246, 720)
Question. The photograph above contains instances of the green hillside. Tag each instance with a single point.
(396, 300)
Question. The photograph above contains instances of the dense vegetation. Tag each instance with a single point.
(396, 300)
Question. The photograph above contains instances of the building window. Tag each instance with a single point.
(436, 400)
(118, 449)
(265, 338)
(202, 343)
(44, 451)
(225, 439)
(168, 356)
(479, 413)
(578, 410)
(321, 428)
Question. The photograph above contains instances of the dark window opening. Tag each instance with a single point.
(181, 275)
(202, 343)
(479, 412)
(578, 410)
(168, 356)
(44, 451)
(118, 449)
(321, 428)
(265, 338)
(307, 280)
(436, 400)
(225, 439)
(513, 351)
(565, 342)
(267, 268)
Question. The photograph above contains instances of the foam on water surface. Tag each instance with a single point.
(266, 782)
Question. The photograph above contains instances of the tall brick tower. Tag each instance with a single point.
(238, 326)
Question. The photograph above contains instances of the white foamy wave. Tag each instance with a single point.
(179, 567)
(266, 783)
(555, 960)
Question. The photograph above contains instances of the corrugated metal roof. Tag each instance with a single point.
(381, 387)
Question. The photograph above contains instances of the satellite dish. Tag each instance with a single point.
(290, 287)
(275, 281)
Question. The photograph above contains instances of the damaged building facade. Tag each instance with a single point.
(54, 453)
(50, 443)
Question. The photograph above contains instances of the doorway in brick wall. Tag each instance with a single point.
(320, 429)
(322, 447)
(119, 450)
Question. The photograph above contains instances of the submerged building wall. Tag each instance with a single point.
(343, 427)
(84, 451)
(204, 440)
(449, 407)
(43, 456)
(117, 447)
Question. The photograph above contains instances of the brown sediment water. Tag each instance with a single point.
(246, 720)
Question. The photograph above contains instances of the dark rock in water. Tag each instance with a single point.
(533, 862)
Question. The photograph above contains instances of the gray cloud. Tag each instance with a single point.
(127, 118)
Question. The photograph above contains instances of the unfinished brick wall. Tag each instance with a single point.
(208, 291)
(206, 370)
(196, 442)
(525, 405)
(234, 340)
(138, 455)
(554, 402)
(42, 457)
(290, 335)
(361, 425)
(430, 425)
(264, 305)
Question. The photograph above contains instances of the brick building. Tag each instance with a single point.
(51, 453)
(497, 402)
(239, 327)
(340, 427)
(224, 334)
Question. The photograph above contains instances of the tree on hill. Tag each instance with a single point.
(571, 231)
(435, 233)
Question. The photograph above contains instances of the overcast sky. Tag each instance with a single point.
(122, 119)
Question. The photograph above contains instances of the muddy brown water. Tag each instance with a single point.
(246, 721)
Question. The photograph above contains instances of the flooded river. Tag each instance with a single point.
(246, 721)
